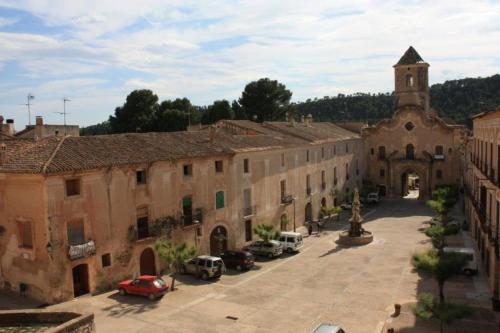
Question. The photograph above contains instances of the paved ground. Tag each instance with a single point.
(352, 287)
(473, 291)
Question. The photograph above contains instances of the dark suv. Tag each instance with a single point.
(238, 259)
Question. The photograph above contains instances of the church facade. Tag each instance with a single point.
(416, 147)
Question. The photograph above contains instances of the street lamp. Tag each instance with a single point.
(294, 227)
(197, 224)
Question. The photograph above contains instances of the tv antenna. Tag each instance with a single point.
(28, 104)
(64, 113)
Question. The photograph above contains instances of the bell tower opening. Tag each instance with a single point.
(411, 80)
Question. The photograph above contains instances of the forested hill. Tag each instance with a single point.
(456, 99)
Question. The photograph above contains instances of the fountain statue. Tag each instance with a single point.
(356, 235)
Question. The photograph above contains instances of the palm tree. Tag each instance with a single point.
(174, 256)
(442, 266)
(266, 232)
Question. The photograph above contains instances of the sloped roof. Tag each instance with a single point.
(411, 57)
(65, 154)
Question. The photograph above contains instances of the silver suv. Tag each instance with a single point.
(204, 267)
(270, 249)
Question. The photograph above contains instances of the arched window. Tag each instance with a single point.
(409, 80)
(410, 152)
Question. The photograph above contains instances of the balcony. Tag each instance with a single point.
(248, 212)
(287, 199)
(81, 251)
(439, 157)
(193, 219)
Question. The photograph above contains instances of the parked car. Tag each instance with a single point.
(471, 267)
(451, 222)
(204, 267)
(238, 259)
(270, 249)
(291, 241)
(372, 198)
(348, 205)
(328, 328)
(145, 285)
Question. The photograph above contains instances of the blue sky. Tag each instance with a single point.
(96, 51)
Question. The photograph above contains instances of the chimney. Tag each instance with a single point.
(8, 127)
(39, 120)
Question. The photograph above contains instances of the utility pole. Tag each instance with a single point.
(29, 98)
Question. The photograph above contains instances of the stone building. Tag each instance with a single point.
(482, 189)
(415, 144)
(79, 213)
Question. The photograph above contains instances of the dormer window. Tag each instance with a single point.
(409, 80)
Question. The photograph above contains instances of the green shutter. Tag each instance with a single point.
(219, 199)
(186, 201)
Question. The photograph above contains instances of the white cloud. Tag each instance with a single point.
(316, 48)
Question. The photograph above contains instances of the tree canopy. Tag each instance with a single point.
(454, 99)
(217, 111)
(266, 100)
(137, 114)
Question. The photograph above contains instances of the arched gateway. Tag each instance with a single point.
(218, 240)
(147, 262)
(415, 143)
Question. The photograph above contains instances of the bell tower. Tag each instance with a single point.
(412, 80)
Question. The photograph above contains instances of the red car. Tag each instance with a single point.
(145, 285)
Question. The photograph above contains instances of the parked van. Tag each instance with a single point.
(471, 267)
(291, 241)
(372, 198)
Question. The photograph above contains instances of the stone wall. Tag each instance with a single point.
(59, 322)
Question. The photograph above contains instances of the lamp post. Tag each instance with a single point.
(197, 224)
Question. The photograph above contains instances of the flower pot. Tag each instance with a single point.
(397, 309)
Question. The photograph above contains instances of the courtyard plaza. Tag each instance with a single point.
(355, 287)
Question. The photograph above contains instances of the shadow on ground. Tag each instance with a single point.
(129, 304)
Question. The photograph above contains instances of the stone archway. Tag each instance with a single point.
(147, 262)
(80, 280)
(401, 171)
(218, 240)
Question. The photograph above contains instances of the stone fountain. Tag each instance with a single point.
(356, 235)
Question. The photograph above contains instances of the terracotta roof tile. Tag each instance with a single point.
(57, 154)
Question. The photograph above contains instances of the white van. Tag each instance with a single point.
(372, 198)
(291, 241)
(471, 267)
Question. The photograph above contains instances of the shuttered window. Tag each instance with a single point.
(219, 199)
